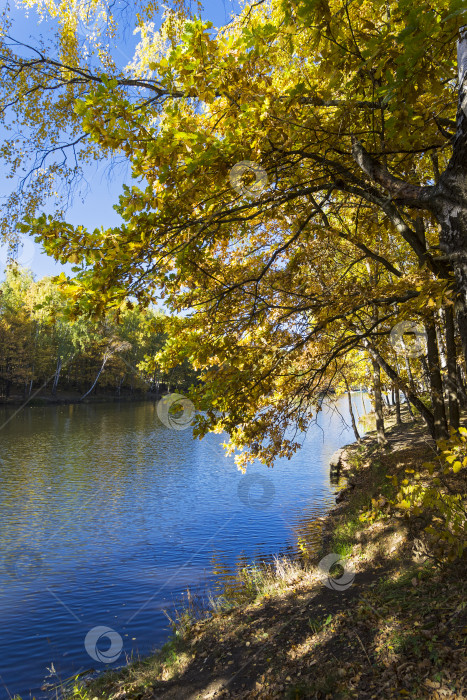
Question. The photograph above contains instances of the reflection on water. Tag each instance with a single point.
(107, 516)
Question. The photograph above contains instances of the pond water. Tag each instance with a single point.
(107, 516)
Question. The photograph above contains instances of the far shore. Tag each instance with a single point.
(67, 399)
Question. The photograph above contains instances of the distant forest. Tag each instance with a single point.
(45, 352)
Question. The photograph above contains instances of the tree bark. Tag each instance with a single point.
(106, 357)
(398, 404)
(58, 369)
(442, 353)
(425, 379)
(451, 367)
(352, 416)
(378, 404)
(436, 384)
(462, 394)
(450, 204)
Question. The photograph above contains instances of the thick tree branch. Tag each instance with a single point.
(411, 195)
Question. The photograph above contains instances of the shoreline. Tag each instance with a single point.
(340, 458)
(283, 639)
(42, 401)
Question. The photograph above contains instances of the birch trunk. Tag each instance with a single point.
(97, 378)
(398, 405)
(352, 415)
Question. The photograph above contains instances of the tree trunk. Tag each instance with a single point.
(398, 404)
(451, 367)
(446, 200)
(436, 384)
(363, 401)
(409, 407)
(409, 374)
(452, 204)
(442, 353)
(461, 388)
(409, 393)
(399, 387)
(106, 357)
(352, 416)
(119, 386)
(426, 383)
(58, 369)
(378, 404)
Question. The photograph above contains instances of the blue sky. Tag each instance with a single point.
(94, 208)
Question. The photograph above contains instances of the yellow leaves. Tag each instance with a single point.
(404, 504)
(184, 149)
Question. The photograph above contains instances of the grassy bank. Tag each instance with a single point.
(399, 629)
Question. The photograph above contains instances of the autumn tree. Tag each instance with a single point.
(44, 349)
(300, 188)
